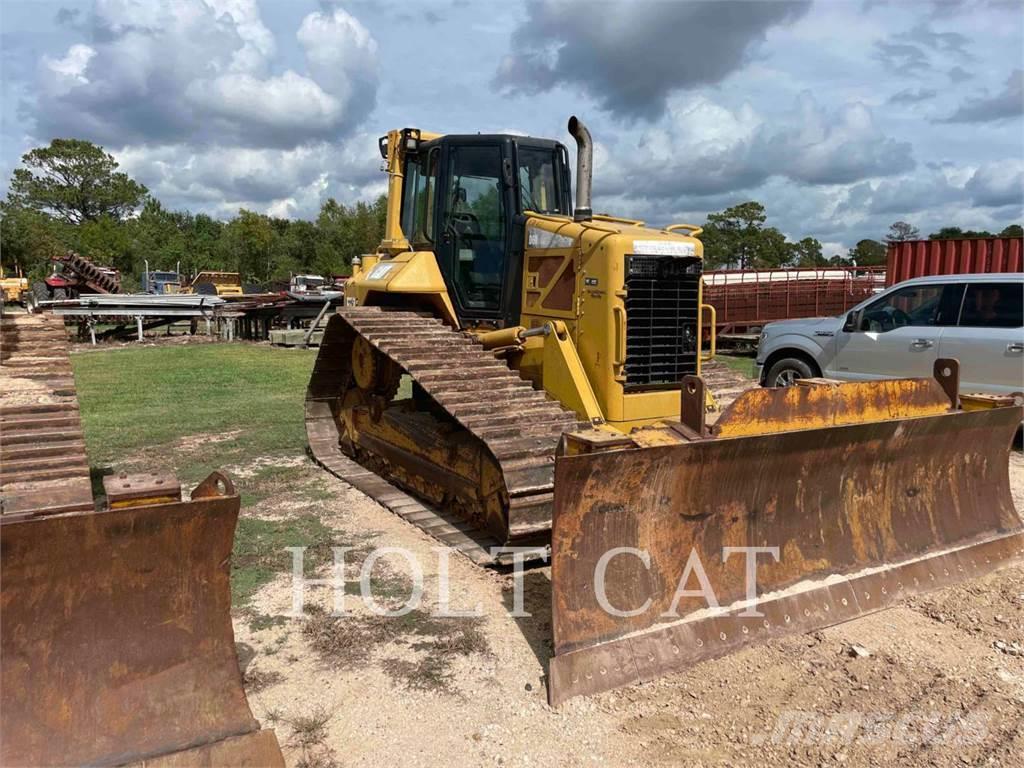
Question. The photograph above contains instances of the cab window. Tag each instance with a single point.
(915, 305)
(537, 189)
(418, 198)
(476, 222)
(993, 305)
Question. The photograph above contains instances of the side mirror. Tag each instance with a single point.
(852, 322)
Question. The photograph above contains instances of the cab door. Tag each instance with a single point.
(474, 227)
(989, 338)
(898, 334)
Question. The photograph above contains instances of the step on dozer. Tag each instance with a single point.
(799, 509)
(116, 644)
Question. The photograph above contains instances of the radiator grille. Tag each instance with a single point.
(661, 320)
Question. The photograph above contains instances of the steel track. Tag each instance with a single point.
(43, 466)
(518, 425)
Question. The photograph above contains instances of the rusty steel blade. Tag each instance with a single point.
(860, 513)
(117, 645)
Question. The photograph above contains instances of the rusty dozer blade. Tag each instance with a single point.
(860, 514)
(117, 645)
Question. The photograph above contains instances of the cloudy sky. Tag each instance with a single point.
(841, 116)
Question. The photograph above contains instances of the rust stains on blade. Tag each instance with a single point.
(761, 411)
(834, 501)
(258, 749)
(674, 647)
(117, 642)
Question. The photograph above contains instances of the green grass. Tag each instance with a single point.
(150, 397)
(275, 480)
(260, 551)
(743, 365)
(170, 407)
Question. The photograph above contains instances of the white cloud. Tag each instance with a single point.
(1004, 105)
(701, 148)
(74, 64)
(215, 105)
(259, 44)
(192, 97)
(287, 182)
(631, 56)
(998, 184)
(819, 147)
(289, 103)
(342, 54)
(201, 71)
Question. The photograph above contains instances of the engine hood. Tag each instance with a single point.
(804, 324)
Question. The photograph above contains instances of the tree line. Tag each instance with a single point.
(70, 195)
(737, 238)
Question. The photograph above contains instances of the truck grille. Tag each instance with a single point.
(661, 320)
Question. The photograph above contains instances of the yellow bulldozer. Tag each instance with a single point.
(214, 283)
(14, 287)
(511, 371)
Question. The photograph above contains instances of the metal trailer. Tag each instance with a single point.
(144, 311)
(746, 299)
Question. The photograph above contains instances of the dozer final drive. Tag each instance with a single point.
(512, 371)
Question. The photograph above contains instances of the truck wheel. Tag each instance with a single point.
(59, 294)
(786, 371)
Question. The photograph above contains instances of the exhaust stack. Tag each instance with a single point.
(584, 168)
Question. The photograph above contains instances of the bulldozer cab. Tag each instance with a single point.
(464, 198)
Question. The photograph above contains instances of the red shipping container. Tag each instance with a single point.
(917, 258)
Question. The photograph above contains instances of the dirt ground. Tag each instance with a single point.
(936, 681)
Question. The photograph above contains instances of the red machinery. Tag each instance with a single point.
(79, 275)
